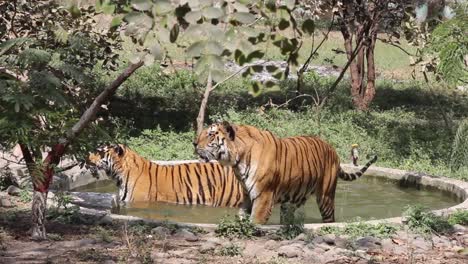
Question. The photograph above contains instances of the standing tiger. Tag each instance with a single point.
(276, 170)
(139, 179)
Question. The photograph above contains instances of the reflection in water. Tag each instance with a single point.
(367, 198)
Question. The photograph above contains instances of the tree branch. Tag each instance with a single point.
(90, 113)
(395, 45)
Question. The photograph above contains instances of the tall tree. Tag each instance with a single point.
(47, 55)
(360, 21)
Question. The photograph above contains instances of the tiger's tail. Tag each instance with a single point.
(353, 176)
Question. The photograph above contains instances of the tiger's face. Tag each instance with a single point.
(214, 144)
(104, 158)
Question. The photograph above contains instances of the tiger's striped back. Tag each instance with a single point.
(139, 179)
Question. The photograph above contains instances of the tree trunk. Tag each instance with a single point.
(38, 213)
(204, 103)
(42, 177)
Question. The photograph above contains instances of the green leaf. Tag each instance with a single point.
(257, 68)
(255, 89)
(283, 24)
(212, 12)
(116, 21)
(213, 47)
(241, 7)
(193, 16)
(141, 5)
(163, 7)
(290, 4)
(174, 33)
(255, 55)
(271, 68)
(148, 59)
(308, 26)
(108, 8)
(8, 44)
(244, 17)
(156, 51)
(196, 48)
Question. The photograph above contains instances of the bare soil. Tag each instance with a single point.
(118, 243)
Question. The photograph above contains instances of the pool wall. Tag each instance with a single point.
(452, 186)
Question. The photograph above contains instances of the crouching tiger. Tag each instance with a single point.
(139, 179)
(274, 170)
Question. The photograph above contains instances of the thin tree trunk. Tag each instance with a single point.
(42, 177)
(370, 87)
(204, 103)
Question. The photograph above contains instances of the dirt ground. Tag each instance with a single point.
(110, 242)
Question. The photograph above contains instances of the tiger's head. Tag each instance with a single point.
(217, 143)
(105, 158)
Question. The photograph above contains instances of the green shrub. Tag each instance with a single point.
(459, 217)
(361, 229)
(420, 219)
(163, 145)
(237, 227)
(230, 250)
(64, 211)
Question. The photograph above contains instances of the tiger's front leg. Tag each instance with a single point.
(246, 207)
(261, 209)
(287, 213)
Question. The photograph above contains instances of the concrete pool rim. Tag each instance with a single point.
(456, 187)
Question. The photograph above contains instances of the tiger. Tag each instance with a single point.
(275, 170)
(139, 179)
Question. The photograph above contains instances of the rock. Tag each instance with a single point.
(159, 257)
(109, 261)
(181, 253)
(421, 244)
(329, 239)
(334, 254)
(368, 243)
(214, 240)
(342, 243)
(207, 247)
(271, 245)
(161, 231)
(13, 190)
(361, 254)
(5, 202)
(441, 242)
(187, 235)
(105, 220)
(300, 237)
(459, 228)
(290, 251)
(457, 248)
(318, 240)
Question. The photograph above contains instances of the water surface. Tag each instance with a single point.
(366, 198)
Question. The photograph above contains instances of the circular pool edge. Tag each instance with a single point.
(457, 187)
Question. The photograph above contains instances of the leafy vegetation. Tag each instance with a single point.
(361, 229)
(459, 217)
(422, 220)
(64, 211)
(230, 250)
(235, 228)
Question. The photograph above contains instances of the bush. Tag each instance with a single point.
(236, 228)
(420, 219)
(460, 217)
(361, 229)
(230, 250)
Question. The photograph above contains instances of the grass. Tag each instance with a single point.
(230, 250)
(460, 217)
(361, 229)
(421, 220)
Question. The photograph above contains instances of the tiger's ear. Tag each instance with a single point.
(230, 130)
(119, 150)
